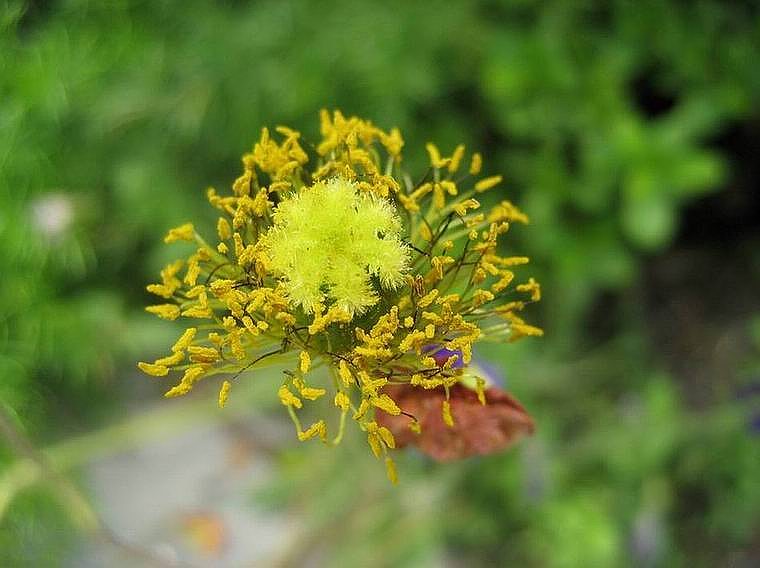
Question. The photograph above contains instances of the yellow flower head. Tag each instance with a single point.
(328, 242)
(330, 260)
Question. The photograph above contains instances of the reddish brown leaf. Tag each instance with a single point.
(477, 430)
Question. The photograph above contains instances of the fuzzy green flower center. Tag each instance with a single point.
(332, 245)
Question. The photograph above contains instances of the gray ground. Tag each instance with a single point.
(186, 499)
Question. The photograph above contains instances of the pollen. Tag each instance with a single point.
(224, 393)
(164, 311)
(305, 361)
(317, 429)
(182, 233)
(446, 412)
(153, 369)
(390, 467)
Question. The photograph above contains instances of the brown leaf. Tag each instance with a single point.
(477, 430)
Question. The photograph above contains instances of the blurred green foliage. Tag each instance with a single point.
(606, 120)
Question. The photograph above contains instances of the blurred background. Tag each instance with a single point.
(628, 131)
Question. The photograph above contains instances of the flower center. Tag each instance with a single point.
(334, 246)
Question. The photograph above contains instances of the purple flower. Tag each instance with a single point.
(441, 355)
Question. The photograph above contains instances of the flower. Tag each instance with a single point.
(331, 256)
(441, 355)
